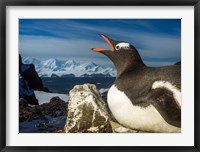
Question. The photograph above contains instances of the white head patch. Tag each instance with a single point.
(122, 46)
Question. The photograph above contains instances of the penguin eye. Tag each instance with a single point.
(122, 46)
(117, 47)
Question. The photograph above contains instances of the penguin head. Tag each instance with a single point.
(124, 55)
(115, 45)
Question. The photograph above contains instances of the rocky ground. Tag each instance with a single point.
(47, 117)
(86, 111)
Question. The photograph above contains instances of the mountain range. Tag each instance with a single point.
(68, 68)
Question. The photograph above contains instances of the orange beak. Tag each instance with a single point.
(102, 49)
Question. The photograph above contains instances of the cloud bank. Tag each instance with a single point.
(158, 41)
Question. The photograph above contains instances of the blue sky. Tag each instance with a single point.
(157, 40)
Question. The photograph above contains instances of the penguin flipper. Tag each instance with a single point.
(165, 103)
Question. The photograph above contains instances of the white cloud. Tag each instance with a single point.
(47, 47)
(73, 45)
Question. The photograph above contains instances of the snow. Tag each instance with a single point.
(62, 67)
(103, 90)
(45, 97)
(48, 124)
(29, 60)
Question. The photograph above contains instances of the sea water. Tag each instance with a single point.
(64, 85)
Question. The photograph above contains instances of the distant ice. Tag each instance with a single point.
(65, 67)
(45, 97)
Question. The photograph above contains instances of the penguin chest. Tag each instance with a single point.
(136, 117)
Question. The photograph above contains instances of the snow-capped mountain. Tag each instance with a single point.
(68, 68)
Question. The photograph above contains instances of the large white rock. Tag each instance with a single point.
(87, 112)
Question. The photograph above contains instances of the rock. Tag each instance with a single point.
(178, 63)
(20, 63)
(55, 108)
(56, 101)
(47, 117)
(29, 74)
(28, 82)
(87, 112)
(26, 92)
(104, 96)
(23, 103)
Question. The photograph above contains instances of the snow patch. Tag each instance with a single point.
(103, 90)
(45, 97)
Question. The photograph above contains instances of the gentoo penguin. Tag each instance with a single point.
(143, 98)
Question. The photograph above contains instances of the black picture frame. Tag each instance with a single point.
(5, 3)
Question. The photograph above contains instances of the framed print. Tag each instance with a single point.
(103, 76)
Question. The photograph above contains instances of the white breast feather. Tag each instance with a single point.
(135, 117)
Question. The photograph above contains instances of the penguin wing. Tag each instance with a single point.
(153, 91)
(165, 103)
